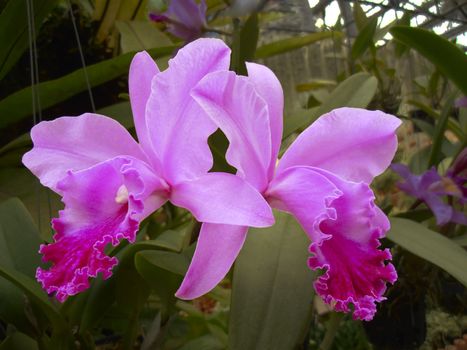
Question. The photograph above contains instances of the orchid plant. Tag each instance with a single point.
(109, 182)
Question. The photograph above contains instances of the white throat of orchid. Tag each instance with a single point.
(122, 195)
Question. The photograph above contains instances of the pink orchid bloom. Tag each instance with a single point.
(322, 180)
(110, 183)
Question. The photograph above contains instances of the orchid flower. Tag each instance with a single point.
(184, 18)
(110, 183)
(322, 180)
(430, 187)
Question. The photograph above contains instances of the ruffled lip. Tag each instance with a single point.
(78, 251)
(362, 279)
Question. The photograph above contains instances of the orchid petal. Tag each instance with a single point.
(188, 18)
(269, 88)
(76, 143)
(142, 69)
(355, 271)
(232, 102)
(216, 251)
(221, 198)
(353, 143)
(178, 127)
(306, 194)
(430, 187)
(103, 204)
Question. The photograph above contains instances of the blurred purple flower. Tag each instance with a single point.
(185, 19)
(461, 102)
(430, 187)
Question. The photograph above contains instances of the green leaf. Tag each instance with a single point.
(294, 43)
(431, 246)
(355, 91)
(19, 182)
(121, 112)
(163, 271)
(218, 144)
(244, 44)
(299, 120)
(19, 245)
(272, 289)
(140, 35)
(400, 48)
(17, 106)
(18, 341)
(151, 337)
(446, 56)
(33, 291)
(361, 20)
(172, 262)
(14, 34)
(205, 342)
(19, 238)
(440, 128)
(364, 38)
(95, 303)
(249, 38)
(315, 84)
(102, 294)
(461, 240)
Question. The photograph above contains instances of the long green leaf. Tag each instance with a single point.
(355, 91)
(365, 38)
(14, 34)
(294, 43)
(19, 244)
(163, 271)
(272, 289)
(18, 341)
(14, 220)
(431, 246)
(17, 106)
(440, 128)
(446, 56)
(140, 35)
(32, 290)
(244, 43)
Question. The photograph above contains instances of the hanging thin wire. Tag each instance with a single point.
(34, 79)
(81, 55)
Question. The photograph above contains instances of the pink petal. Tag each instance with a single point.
(178, 127)
(306, 194)
(142, 70)
(234, 105)
(347, 250)
(216, 251)
(353, 143)
(103, 204)
(76, 143)
(221, 198)
(269, 88)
